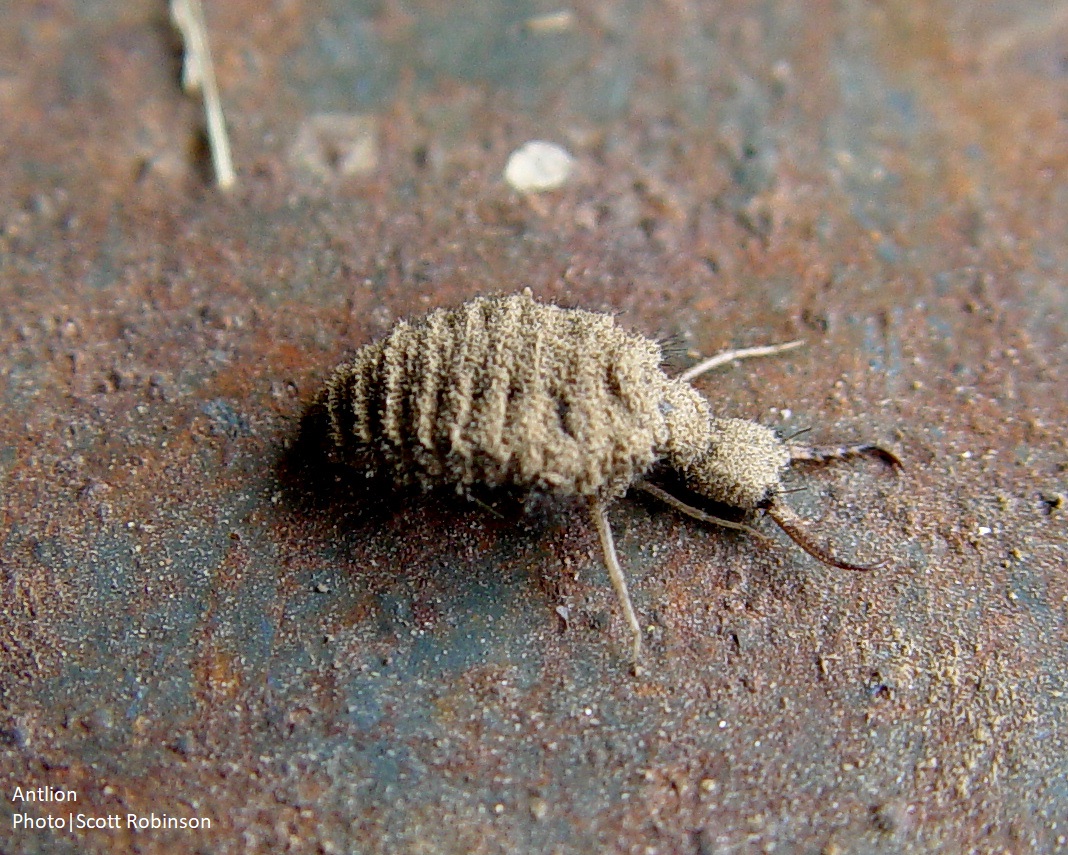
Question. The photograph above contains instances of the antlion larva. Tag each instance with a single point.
(507, 391)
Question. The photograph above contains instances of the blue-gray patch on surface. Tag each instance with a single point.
(225, 419)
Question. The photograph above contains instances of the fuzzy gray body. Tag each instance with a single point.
(509, 391)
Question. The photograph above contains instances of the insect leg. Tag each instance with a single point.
(825, 453)
(690, 511)
(600, 519)
(730, 355)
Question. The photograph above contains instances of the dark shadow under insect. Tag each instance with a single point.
(507, 392)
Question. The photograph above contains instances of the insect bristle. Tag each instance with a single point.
(673, 350)
(787, 490)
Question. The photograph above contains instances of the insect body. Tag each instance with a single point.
(507, 391)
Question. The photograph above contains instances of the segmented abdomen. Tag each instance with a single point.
(505, 390)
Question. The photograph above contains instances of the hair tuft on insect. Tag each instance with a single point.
(508, 392)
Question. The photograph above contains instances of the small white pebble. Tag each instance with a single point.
(551, 22)
(538, 807)
(537, 166)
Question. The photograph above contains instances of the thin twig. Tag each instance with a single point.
(198, 75)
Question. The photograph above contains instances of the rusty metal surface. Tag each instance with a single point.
(198, 623)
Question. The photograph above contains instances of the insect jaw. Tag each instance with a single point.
(827, 453)
(795, 528)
